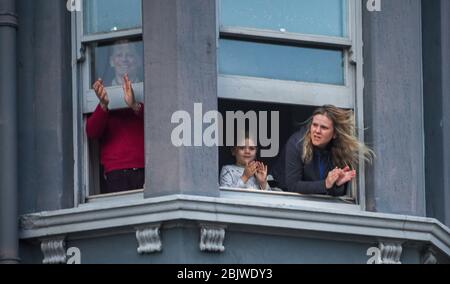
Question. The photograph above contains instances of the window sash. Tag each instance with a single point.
(85, 100)
(296, 93)
(115, 95)
(111, 36)
(345, 15)
(85, 29)
(287, 38)
(88, 98)
(253, 90)
(282, 62)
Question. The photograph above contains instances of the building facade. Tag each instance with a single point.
(389, 61)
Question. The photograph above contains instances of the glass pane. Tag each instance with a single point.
(281, 62)
(112, 61)
(316, 17)
(102, 16)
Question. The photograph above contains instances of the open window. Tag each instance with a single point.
(107, 36)
(291, 56)
(290, 118)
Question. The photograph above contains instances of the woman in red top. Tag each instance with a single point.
(121, 136)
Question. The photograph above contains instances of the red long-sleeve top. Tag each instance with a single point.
(121, 136)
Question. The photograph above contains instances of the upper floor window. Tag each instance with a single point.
(288, 51)
(290, 56)
(108, 45)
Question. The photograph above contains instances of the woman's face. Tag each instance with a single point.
(125, 60)
(245, 154)
(322, 131)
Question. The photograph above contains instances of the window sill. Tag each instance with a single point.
(120, 197)
(291, 199)
(272, 198)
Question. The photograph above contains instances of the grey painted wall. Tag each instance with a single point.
(8, 133)
(393, 108)
(436, 55)
(445, 13)
(180, 65)
(181, 246)
(180, 70)
(45, 106)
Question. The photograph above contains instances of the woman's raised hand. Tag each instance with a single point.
(101, 94)
(128, 92)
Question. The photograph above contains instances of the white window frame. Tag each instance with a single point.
(350, 95)
(85, 101)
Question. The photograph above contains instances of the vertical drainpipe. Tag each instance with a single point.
(9, 241)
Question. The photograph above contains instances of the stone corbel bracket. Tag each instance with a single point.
(149, 239)
(429, 257)
(54, 251)
(212, 238)
(391, 252)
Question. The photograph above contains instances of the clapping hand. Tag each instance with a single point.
(101, 93)
(261, 175)
(345, 176)
(250, 170)
(128, 92)
(339, 177)
(332, 178)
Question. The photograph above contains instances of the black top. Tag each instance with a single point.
(293, 175)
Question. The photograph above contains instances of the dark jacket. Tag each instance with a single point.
(293, 175)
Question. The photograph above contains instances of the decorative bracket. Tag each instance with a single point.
(54, 251)
(149, 239)
(390, 252)
(211, 238)
(429, 257)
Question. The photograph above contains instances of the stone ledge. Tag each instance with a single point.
(115, 215)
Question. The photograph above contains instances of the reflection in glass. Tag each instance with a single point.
(281, 62)
(101, 16)
(113, 60)
(316, 17)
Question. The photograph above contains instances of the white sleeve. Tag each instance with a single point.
(228, 179)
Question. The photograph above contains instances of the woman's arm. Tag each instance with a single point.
(294, 171)
(96, 123)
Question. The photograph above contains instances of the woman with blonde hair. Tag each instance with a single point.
(321, 158)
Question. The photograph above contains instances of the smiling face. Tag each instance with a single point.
(245, 154)
(322, 131)
(125, 60)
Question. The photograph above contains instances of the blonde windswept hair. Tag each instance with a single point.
(345, 148)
